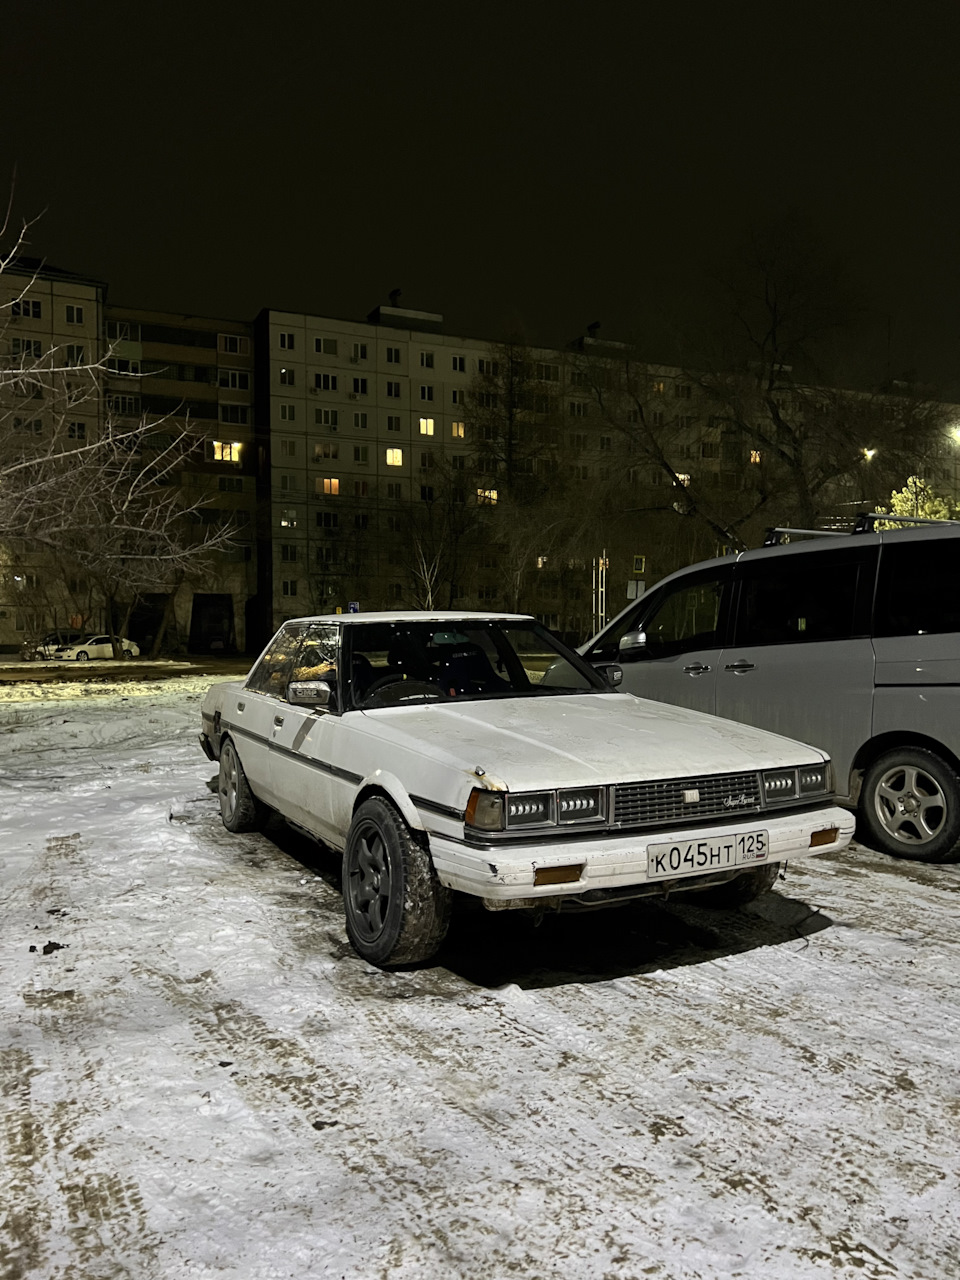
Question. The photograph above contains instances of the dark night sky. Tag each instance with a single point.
(531, 164)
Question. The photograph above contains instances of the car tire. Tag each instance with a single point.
(396, 910)
(83, 656)
(744, 888)
(910, 806)
(128, 653)
(240, 809)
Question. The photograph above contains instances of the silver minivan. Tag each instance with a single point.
(850, 643)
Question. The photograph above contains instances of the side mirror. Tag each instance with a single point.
(612, 672)
(633, 645)
(309, 693)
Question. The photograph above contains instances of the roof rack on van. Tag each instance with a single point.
(866, 522)
(774, 537)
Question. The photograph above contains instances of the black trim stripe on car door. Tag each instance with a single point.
(323, 766)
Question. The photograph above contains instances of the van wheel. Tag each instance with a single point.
(910, 806)
(742, 889)
(397, 912)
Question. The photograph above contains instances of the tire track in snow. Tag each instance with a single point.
(24, 1216)
(95, 1215)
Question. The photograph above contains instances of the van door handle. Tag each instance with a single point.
(740, 666)
(696, 669)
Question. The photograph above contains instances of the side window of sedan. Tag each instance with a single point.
(273, 672)
(319, 654)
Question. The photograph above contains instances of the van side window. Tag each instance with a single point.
(916, 590)
(805, 598)
(687, 617)
(608, 647)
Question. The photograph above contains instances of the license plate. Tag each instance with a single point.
(699, 857)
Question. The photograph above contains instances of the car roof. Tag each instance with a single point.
(826, 542)
(414, 615)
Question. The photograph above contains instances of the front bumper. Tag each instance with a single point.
(505, 874)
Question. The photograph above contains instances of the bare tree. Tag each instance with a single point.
(132, 527)
(753, 429)
(441, 534)
(97, 499)
(512, 412)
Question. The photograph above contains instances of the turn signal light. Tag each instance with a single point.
(484, 810)
(823, 837)
(558, 875)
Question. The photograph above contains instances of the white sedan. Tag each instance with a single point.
(425, 748)
(96, 647)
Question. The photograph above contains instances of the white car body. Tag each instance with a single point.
(317, 766)
(96, 647)
(47, 647)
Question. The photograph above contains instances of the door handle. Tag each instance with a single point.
(278, 721)
(696, 669)
(740, 666)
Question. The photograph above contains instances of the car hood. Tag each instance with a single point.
(525, 743)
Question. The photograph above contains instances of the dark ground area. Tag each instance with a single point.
(13, 671)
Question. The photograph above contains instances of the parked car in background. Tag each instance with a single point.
(96, 647)
(427, 749)
(849, 641)
(51, 642)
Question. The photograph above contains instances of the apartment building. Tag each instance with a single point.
(331, 443)
(51, 322)
(195, 374)
(359, 421)
(361, 462)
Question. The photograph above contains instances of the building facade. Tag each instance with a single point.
(383, 463)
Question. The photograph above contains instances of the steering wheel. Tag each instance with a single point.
(413, 688)
(391, 678)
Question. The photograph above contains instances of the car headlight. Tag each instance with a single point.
(816, 779)
(789, 784)
(585, 804)
(532, 809)
(499, 810)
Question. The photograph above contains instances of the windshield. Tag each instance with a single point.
(393, 663)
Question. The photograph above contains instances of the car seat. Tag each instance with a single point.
(407, 658)
(361, 675)
(467, 669)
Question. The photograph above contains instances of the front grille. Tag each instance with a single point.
(662, 803)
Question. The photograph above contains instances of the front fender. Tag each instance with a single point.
(383, 783)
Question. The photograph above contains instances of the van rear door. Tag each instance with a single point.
(917, 636)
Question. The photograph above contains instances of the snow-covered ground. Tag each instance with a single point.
(200, 1079)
